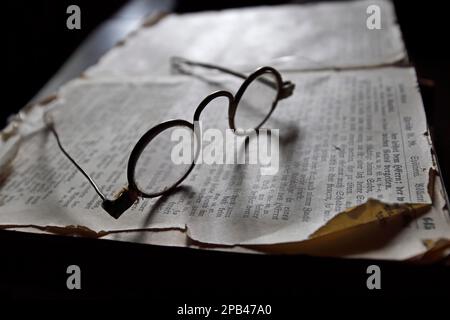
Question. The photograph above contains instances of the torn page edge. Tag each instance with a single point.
(437, 250)
(373, 210)
(77, 230)
(13, 126)
(11, 136)
(434, 249)
(370, 211)
(367, 212)
(379, 211)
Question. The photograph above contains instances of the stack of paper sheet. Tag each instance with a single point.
(355, 175)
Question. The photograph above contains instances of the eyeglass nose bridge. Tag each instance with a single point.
(211, 97)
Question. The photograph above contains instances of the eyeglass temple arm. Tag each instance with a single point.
(115, 207)
(176, 62)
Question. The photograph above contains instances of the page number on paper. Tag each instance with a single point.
(373, 21)
(74, 19)
(374, 279)
(74, 279)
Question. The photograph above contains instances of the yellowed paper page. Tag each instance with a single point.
(289, 37)
(345, 138)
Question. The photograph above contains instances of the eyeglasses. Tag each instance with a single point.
(149, 176)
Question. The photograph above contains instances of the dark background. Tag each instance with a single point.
(37, 45)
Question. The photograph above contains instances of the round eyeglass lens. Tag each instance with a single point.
(165, 160)
(256, 102)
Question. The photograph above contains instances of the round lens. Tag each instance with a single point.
(256, 102)
(165, 160)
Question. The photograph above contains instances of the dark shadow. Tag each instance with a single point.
(287, 135)
(157, 205)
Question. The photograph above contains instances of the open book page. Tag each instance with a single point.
(348, 141)
(407, 236)
(289, 37)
